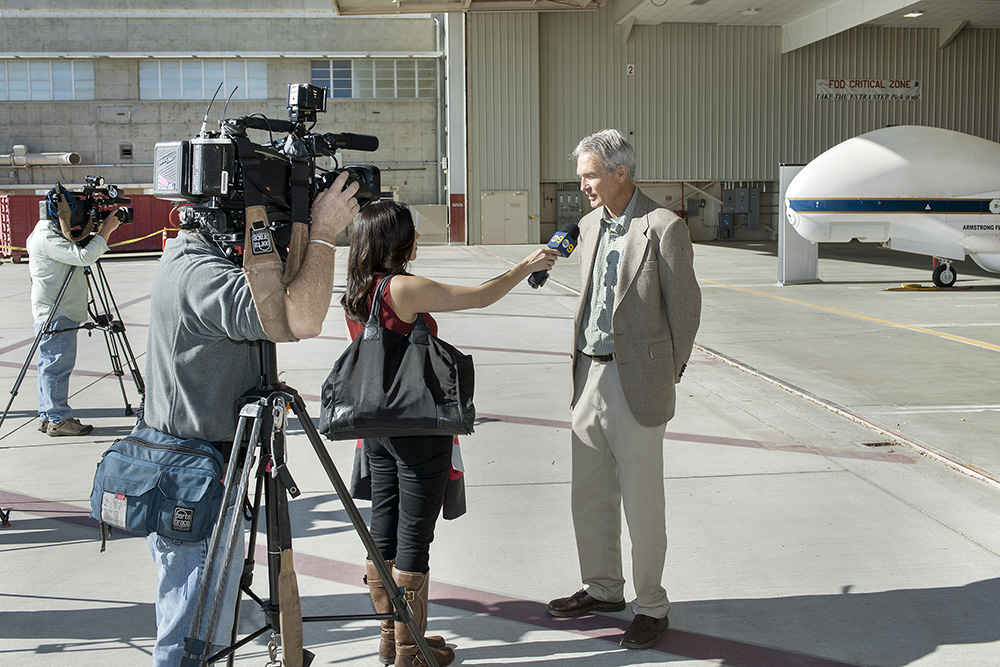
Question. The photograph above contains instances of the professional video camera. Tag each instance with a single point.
(222, 173)
(79, 215)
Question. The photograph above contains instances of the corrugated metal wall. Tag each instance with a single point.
(699, 95)
(960, 86)
(704, 102)
(503, 126)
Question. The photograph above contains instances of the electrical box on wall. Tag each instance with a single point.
(570, 207)
(726, 225)
(740, 206)
(694, 205)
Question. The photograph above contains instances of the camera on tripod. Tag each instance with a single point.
(100, 200)
(214, 170)
(79, 215)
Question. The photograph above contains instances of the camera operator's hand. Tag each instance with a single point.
(110, 224)
(307, 297)
(334, 209)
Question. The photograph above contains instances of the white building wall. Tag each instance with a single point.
(288, 39)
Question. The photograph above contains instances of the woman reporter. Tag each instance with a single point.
(409, 474)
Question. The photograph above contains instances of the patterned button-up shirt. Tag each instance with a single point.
(596, 336)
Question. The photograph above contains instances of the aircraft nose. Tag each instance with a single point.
(808, 228)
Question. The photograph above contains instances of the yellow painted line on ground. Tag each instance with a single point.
(959, 339)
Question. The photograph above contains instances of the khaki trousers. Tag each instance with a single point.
(617, 462)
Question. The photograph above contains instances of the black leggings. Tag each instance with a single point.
(409, 476)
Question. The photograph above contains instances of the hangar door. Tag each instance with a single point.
(504, 217)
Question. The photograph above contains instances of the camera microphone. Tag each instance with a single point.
(565, 242)
(352, 142)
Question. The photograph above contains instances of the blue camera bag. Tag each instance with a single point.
(153, 482)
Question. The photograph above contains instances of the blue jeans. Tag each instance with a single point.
(56, 358)
(179, 567)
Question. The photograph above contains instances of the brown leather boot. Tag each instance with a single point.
(383, 605)
(407, 652)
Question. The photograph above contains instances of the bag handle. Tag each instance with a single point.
(421, 332)
(372, 329)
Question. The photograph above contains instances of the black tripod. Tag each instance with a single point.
(104, 314)
(260, 434)
(100, 306)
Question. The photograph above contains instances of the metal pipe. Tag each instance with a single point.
(20, 157)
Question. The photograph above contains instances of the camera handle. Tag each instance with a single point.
(263, 416)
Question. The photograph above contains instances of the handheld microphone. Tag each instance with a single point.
(565, 242)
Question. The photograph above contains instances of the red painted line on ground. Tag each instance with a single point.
(47, 509)
(76, 371)
(674, 642)
(864, 454)
(28, 341)
(861, 454)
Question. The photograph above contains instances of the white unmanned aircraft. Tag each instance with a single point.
(917, 189)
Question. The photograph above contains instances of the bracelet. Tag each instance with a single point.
(322, 242)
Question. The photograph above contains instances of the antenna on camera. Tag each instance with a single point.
(204, 122)
(228, 99)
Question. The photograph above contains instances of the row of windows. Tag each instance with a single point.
(46, 80)
(368, 79)
(199, 79)
(376, 79)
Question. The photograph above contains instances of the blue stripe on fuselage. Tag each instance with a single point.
(890, 205)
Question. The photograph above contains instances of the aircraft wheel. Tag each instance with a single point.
(944, 275)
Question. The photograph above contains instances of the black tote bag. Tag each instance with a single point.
(388, 384)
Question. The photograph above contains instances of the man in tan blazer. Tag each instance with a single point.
(635, 324)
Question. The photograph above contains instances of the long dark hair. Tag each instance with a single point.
(381, 242)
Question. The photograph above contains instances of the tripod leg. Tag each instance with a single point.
(222, 542)
(118, 328)
(246, 578)
(289, 606)
(116, 369)
(102, 301)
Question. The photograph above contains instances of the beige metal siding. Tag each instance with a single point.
(723, 103)
(699, 95)
(959, 82)
(503, 111)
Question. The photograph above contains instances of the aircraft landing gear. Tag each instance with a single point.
(944, 275)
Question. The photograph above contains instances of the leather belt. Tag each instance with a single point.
(600, 358)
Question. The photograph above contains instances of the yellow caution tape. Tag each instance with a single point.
(110, 245)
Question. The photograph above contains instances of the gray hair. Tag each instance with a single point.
(611, 148)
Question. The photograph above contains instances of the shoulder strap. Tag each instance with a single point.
(373, 329)
(262, 264)
(420, 333)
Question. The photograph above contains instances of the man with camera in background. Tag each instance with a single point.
(203, 355)
(54, 250)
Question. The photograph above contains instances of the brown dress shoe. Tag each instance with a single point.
(581, 603)
(644, 631)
